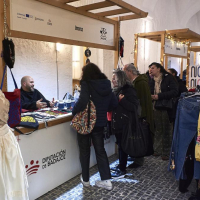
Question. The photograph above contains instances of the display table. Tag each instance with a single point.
(51, 155)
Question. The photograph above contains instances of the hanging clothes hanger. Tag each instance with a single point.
(197, 93)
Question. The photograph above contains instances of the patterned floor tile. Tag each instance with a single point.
(149, 182)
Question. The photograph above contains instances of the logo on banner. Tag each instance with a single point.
(78, 28)
(46, 162)
(29, 16)
(38, 19)
(20, 14)
(194, 76)
(53, 159)
(103, 33)
(49, 22)
(33, 168)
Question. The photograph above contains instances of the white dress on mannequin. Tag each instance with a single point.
(13, 179)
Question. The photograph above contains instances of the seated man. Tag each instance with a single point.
(32, 99)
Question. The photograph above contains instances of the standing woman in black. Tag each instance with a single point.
(128, 102)
(163, 87)
(96, 84)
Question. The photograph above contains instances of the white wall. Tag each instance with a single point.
(38, 60)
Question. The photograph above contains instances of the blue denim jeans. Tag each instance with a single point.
(185, 130)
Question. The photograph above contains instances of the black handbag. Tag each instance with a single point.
(136, 137)
(164, 104)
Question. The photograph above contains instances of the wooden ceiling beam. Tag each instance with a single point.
(129, 17)
(129, 7)
(76, 10)
(95, 6)
(112, 12)
(67, 1)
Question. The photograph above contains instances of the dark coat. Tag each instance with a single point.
(169, 90)
(29, 99)
(102, 97)
(169, 87)
(181, 86)
(126, 105)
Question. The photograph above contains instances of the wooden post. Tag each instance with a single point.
(84, 57)
(166, 62)
(162, 48)
(136, 51)
(117, 35)
(2, 63)
(188, 65)
(181, 75)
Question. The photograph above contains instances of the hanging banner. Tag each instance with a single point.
(194, 76)
(34, 17)
(175, 48)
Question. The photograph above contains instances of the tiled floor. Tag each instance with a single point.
(149, 182)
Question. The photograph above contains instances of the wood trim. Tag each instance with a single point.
(146, 35)
(176, 56)
(28, 130)
(195, 48)
(76, 10)
(59, 121)
(183, 30)
(162, 49)
(187, 76)
(181, 74)
(129, 17)
(136, 50)
(95, 6)
(2, 63)
(129, 7)
(31, 36)
(188, 65)
(166, 62)
(49, 124)
(117, 35)
(84, 57)
(112, 12)
(66, 1)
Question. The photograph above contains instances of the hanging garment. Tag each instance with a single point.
(13, 179)
(197, 147)
(185, 130)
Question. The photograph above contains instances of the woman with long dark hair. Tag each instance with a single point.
(96, 84)
(163, 87)
(128, 102)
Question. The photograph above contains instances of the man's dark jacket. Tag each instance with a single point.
(102, 97)
(29, 99)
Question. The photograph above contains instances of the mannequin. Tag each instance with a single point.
(13, 179)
